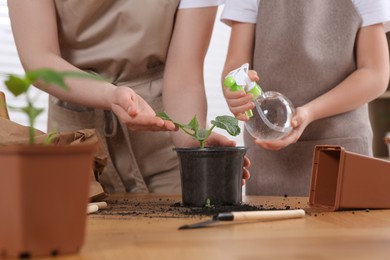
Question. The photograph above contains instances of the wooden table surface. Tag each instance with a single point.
(145, 226)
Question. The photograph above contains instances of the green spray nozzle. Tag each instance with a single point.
(231, 83)
(239, 80)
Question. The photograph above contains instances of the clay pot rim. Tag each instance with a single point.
(42, 148)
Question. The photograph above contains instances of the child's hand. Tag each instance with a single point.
(253, 75)
(239, 101)
(299, 122)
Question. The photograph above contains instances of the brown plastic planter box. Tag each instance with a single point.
(345, 180)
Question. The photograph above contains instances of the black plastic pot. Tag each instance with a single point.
(212, 173)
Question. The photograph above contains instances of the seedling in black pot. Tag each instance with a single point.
(210, 173)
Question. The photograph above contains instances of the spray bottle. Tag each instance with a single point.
(271, 119)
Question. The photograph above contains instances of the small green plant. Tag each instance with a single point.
(20, 86)
(208, 203)
(228, 123)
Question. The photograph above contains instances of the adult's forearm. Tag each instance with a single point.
(34, 26)
(86, 92)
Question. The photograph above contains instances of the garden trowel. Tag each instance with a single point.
(241, 216)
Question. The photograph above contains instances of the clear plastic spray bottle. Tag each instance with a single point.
(271, 117)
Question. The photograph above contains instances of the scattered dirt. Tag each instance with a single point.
(170, 208)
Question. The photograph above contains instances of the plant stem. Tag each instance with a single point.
(31, 120)
(211, 129)
(186, 131)
(31, 134)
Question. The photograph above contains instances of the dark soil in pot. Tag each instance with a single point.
(211, 175)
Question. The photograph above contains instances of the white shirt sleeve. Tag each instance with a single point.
(199, 3)
(245, 11)
(240, 11)
(372, 12)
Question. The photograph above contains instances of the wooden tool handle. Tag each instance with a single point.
(268, 214)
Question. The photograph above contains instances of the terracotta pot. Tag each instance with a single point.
(43, 199)
(345, 180)
(212, 173)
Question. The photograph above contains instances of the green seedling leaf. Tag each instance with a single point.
(33, 112)
(76, 74)
(48, 76)
(17, 85)
(208, 203)
(202, 134)
(49, 138)
(193, 124)
(230, 124)
(163, 116)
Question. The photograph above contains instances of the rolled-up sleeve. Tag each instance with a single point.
(373, 12)
(244, 11)
(199, 3)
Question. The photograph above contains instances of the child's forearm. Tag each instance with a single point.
(240, 49)
(368, 82)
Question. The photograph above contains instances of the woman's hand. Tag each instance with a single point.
(133, 111)
(245, 173)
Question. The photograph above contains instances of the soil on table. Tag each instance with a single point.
(165, 207)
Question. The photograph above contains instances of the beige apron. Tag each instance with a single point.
(303, 49)
(127, 41)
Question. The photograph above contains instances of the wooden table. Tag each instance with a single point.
(146, 227)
